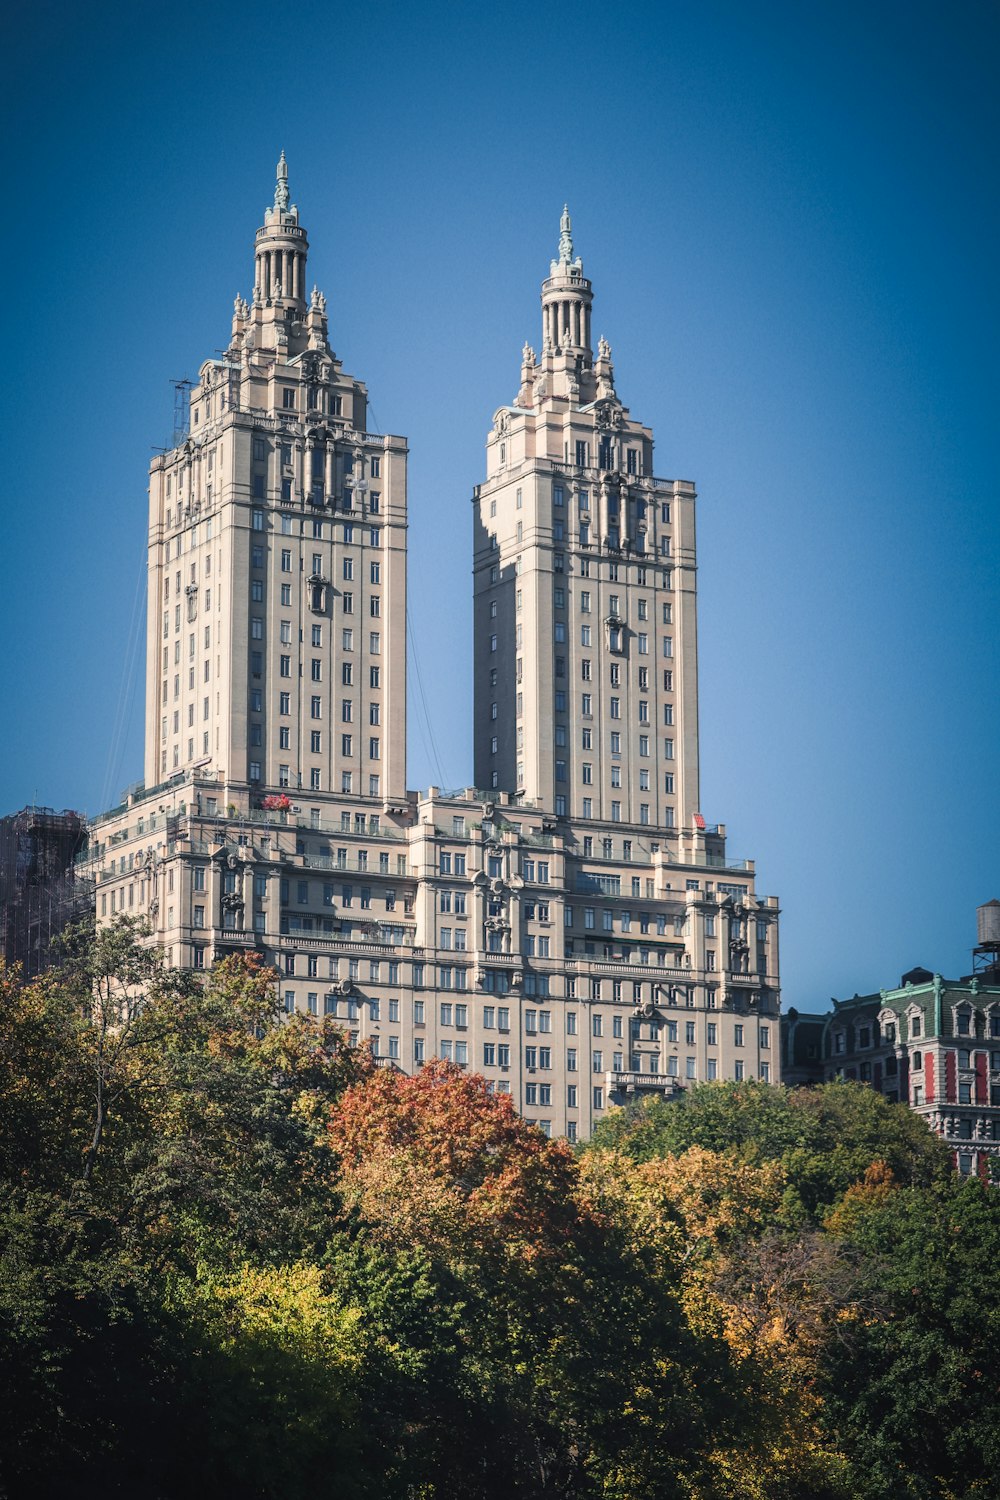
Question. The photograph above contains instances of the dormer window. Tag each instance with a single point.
(963, 1023)
(914, 1025)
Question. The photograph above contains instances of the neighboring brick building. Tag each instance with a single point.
(933, 1043)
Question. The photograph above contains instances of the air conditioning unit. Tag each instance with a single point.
(296, 808)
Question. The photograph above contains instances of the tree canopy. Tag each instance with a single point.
(238, 1256)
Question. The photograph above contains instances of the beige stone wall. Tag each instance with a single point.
(617, 971)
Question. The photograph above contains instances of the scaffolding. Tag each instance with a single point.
(182, 410)
(40, 890)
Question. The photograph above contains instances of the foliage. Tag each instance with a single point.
(914, 1388)
(825, 1138)
(237, 1257)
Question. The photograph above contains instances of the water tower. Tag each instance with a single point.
(986, 953)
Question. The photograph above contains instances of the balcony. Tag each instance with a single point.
(630, 1084)
(328, 942)
(624, 968)
(235, 937)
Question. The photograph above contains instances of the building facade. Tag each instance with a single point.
(932, 1043)
(41, 890)
(571, 927)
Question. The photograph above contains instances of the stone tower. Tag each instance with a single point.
(584, 563)
(276, 650)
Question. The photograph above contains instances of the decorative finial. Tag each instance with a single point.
(281, 186)
(565, 237)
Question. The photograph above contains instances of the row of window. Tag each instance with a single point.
(559, 601)
(871, 1036)
(285, 662)
(350, 784)
(261, 446)
(348, 538)
(591, 568)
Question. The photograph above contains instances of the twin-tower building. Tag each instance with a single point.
(570, 927)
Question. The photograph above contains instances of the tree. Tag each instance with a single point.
(577, 1369)
(909, 1388)
(746, 1286)
(826, 1138)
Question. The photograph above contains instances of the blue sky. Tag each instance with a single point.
(789, 214)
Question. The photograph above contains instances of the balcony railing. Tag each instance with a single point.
(630, 1083)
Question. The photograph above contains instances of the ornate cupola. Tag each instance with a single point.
(566, 299)
(280, 251)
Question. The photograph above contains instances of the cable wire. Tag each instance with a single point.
(429, 742)
(126, 689)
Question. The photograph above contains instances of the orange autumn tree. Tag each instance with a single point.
(571, 1360)
(437, 1158)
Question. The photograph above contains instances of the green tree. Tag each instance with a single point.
(910, 1386)
(826, 1138)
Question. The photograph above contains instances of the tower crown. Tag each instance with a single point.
(281, 248)
(565, 246)
(566, 299)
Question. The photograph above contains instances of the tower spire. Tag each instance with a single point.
(281, 186)
(565, 237)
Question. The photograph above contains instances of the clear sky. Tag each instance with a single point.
(789, 213)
